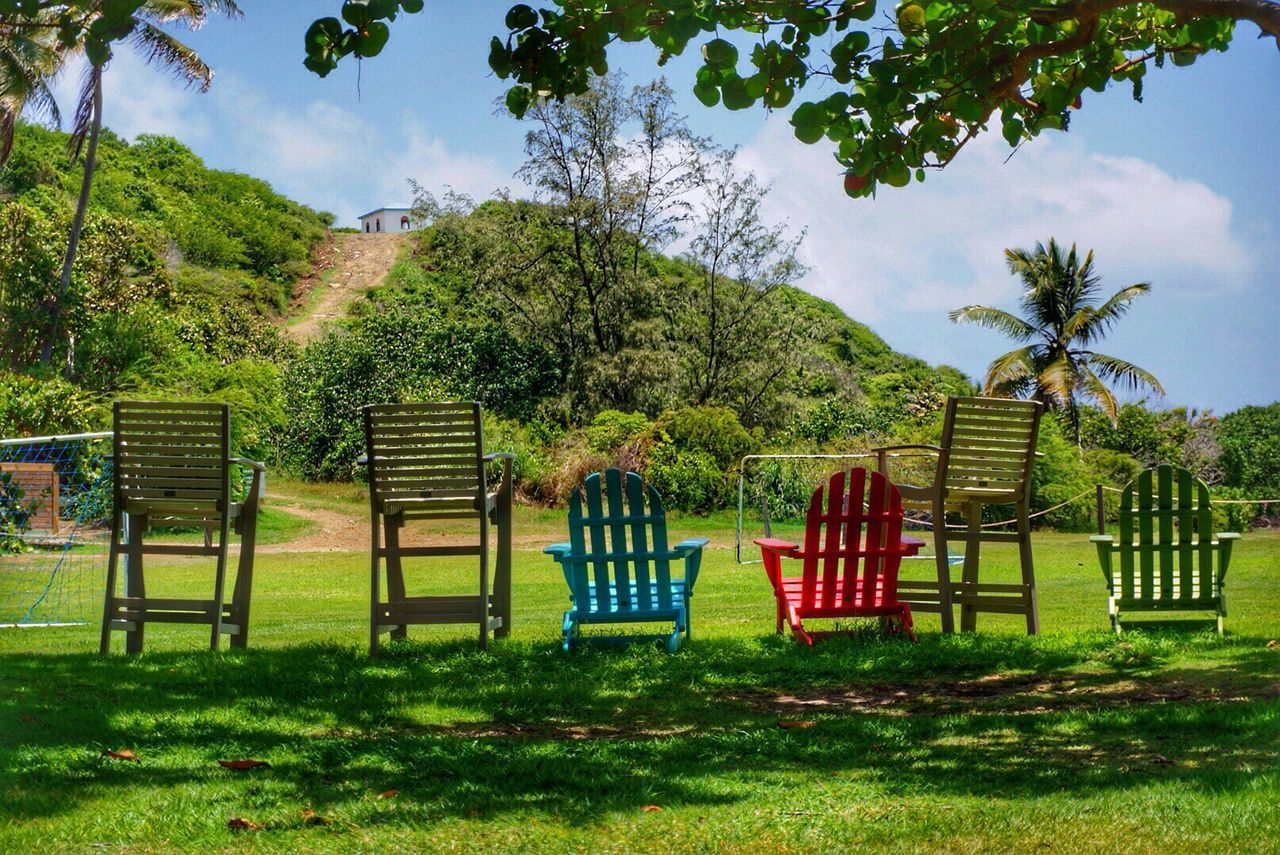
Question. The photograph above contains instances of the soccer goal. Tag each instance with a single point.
(55, 516)
(774, 492)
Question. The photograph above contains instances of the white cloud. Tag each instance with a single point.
(934, 246)
(318, 153)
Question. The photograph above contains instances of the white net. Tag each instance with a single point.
(55, 515)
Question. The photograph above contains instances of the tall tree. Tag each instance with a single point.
(915, 82)
(734, 348)
(91, 28)
(1056, 363)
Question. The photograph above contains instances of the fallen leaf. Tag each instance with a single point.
(651, 809)
(791, 725)
(239, 823)
(388, 794)
(123, 754)
(241, 765)
(1273, 644)
(1161, 760)
(310, 817)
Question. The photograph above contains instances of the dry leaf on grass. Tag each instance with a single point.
(310, 817)
(1273, 644)
(1161, 760)
(242, 765)
(239, 823)
(388, 794)
(651, 809)
(123, 754)
(794, 725)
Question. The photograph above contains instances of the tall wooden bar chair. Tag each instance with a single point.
(427, 462)
(171, 467)
(987, 451)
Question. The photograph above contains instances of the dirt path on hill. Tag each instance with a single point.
(348, 266)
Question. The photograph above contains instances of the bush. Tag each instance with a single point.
(689, 479)
(1250, 440)
(835, 419)
(613, 428)
(714, 431)
(42, 407)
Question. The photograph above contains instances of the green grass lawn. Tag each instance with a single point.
(1073, 741)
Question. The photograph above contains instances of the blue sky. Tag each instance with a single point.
(1182, 191)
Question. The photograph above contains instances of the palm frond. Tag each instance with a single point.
(1116, 370)
(1103, 317)
(90, 80)
(1098, 390)
(994, 319)
(1010, 371)
(1058, 379)
(157, 46)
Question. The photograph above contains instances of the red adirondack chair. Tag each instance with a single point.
(853, 544)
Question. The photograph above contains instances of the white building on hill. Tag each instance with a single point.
(388, 220)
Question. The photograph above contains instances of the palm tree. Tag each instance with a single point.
(157, 47)
(31, 55)
(29, 58)
(1056, 363)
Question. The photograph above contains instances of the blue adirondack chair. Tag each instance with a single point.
(617, 561)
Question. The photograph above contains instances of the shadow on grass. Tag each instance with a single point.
(525, 728)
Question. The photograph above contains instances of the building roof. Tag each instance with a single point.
(404, 210)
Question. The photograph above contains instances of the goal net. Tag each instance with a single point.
(774, 492)
(55, 516)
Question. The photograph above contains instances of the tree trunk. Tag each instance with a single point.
(77, 222)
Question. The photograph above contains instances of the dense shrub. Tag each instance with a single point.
(837, 419)
(31, 406)
(713, 431)
(689, 479)
(1250, 440)
(613, 428)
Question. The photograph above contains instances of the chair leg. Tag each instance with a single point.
(484, 581)
(943, 567)
(502, 572)
(1028, 570)
(395, 570)
(135, 584)
(242, 593)
(220, 583)
(570, 629)
(373, 585)
(113, 561)
(972, 553)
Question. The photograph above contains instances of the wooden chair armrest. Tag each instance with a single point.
(499, 455)
(690, 544)
(912, 545)
(252, 464)
(558, 551)
(691, 550)
(1102, 538)
(785, 548)
(1227, 535)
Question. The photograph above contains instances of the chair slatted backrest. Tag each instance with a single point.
(427, 459)
(990, 444)
(1166, 539)
(854, 534)
(618, 534)
(173, 460)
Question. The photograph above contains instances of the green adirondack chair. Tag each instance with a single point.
(1166, 559)
(171, 467)
(617, 561)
